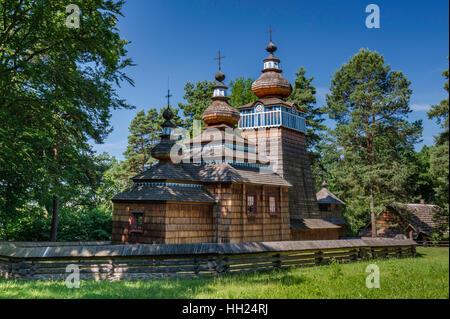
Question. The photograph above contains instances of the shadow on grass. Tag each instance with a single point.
(275, 276)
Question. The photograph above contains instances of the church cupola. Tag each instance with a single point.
(220, 112)
(271, 82)
(162, 150)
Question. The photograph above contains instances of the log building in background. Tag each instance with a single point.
(229, 187)
(414, 221)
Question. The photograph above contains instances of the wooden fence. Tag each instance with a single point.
(115, 262)
(442, 243)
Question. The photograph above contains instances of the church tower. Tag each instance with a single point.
(281, 126)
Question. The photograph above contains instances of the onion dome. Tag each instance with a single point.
(220, 112)
(271, 82)
(162, 150)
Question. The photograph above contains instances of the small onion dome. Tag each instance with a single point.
(220, 76)
(220, 112)
(271, 47)
(161, 151)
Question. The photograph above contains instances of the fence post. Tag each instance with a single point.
(226, 266)
(354, 254)
(413, 250)
(277, 261)
(318, 257)
(196, 266)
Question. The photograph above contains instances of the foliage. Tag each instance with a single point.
(439, 159)
(57, 89)
(144, 129)
(304, 95)
(241, 92)
(75, 224)
(143, 135)
(198, 98)
(370, 104)
(419, 182)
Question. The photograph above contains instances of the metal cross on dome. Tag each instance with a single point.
(168, 96)
(220, 58)
(270, 32)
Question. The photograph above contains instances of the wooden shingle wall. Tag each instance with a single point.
(189, 223)
(292, 164)
(164, 223)
(154, 223)
(234, 225)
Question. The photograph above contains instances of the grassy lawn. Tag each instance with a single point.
(426, 276)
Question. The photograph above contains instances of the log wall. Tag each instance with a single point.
(116, 262)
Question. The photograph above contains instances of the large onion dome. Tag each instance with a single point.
(220, 112)
(271, 82)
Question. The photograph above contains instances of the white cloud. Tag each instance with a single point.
(420, 107)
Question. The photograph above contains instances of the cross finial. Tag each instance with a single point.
(220, 58)
(168, 96)
(270, 32)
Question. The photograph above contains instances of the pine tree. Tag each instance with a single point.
(304, 95)
(198, 98)
(370, 104)
(439, 157)
(142, 136)
(144, 129)
(241, 92)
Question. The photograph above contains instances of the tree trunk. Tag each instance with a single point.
(372, 215)
(54, 218)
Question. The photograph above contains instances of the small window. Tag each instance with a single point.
(273, 205)
(323, 207)
(137, 221)
(251, 204)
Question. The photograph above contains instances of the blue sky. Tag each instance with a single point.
(180, 39)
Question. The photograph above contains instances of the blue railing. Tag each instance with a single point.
(272, 119)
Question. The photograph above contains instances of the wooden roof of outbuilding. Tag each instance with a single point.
(324, 196)
(421, 217)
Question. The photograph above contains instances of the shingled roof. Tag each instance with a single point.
(234, 173)
(165, 193)
(270, 101)
(324, 196)
(421, 217)
(165, 172)
(311, 223)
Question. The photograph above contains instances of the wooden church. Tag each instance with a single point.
(229, 185)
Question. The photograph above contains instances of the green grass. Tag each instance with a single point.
(426, 276)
